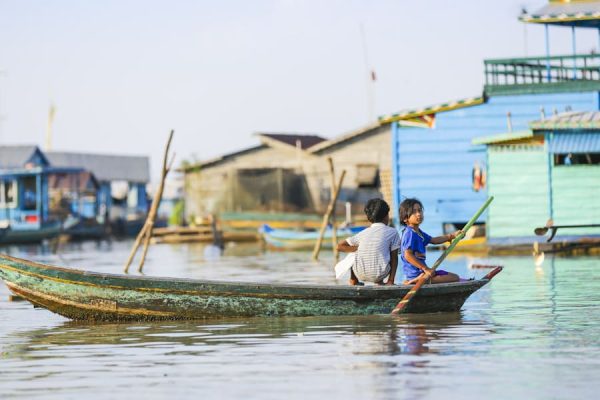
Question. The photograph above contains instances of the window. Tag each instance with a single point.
(8, 194)
(29, 193)
(577, 159)
(367, 175)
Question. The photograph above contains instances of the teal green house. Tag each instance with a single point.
(549, 171)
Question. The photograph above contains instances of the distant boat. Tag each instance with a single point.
(24, 207)
(41, 232)
(301, 240)
(84, 295)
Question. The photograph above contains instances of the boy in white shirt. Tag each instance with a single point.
(376, 247)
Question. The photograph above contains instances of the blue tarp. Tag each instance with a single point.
(585, 142)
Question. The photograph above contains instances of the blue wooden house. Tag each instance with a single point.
(550, 171)
(122, 197)
(432, 155)
(27, 212)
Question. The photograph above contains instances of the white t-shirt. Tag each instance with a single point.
(373, 255)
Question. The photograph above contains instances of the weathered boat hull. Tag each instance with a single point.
(82, 295)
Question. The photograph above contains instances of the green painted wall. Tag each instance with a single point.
(576, 197)
(518, 179)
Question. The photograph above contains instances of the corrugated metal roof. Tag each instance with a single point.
(16, 156)
(502, 138)
(437, 108)
(345, 137)
(221, 159)
(584, 13)
(105, 167)
(568, 121)
(581, 142)
(290, 139)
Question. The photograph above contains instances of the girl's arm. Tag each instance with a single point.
(343, 246)
(444, 238)
(411, 258)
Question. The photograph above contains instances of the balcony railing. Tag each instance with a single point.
(542, 70)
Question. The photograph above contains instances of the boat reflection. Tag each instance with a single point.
(410, 334)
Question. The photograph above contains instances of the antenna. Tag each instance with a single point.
(370, 76)
(49, 123)
(525, 44)
(2, 73)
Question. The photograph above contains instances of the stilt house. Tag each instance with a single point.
(432, 155)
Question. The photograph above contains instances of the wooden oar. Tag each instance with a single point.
(411, 293)
(553, 228)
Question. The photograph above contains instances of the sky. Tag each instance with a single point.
(122, 73)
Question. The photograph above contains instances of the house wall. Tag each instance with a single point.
(518, 180)
(435, 165)
(370, 148)
(209, 190)
(576, 197)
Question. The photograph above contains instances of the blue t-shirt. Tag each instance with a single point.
(417, 243)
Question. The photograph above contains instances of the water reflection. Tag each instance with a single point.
(535, 328)
(388, 335)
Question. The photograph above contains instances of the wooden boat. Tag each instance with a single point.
(43, 231)
(83, 295)
(300, 240)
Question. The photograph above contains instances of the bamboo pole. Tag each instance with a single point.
(315, 255)
(336, 253)
(146, 231)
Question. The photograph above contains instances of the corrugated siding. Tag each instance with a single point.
(518, 179)
(583, 142)
(435, 165)
(576, 197)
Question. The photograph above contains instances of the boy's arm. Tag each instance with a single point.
(393, 267)
(343, 246)
(411, 258)
(444, 238)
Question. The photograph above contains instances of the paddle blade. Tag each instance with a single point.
(538, 259)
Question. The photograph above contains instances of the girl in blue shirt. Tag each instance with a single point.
(414, 241)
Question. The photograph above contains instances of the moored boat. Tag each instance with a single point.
(83, 295)
(289, 239)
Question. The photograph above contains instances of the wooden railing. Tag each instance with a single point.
(540, 70)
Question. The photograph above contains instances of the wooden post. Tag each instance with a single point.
(315, 255)
(336, 253)
(146, 231)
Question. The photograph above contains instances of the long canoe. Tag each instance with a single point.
(83, 295)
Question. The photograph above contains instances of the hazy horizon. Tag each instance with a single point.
(122, 74)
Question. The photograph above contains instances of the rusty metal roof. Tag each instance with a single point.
(569, 120)
(582, 13)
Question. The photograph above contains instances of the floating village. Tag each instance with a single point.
(530, 139)
(508, 176)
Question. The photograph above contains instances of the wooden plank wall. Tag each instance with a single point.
(576, 197)
(435, 165)
(518, 180)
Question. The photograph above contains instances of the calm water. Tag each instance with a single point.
(533, 333)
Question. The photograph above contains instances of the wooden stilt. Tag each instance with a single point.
(146, 231)
(332, 201)
(336, 254)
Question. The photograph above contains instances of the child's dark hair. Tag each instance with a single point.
(406, 209)
(376, 210)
